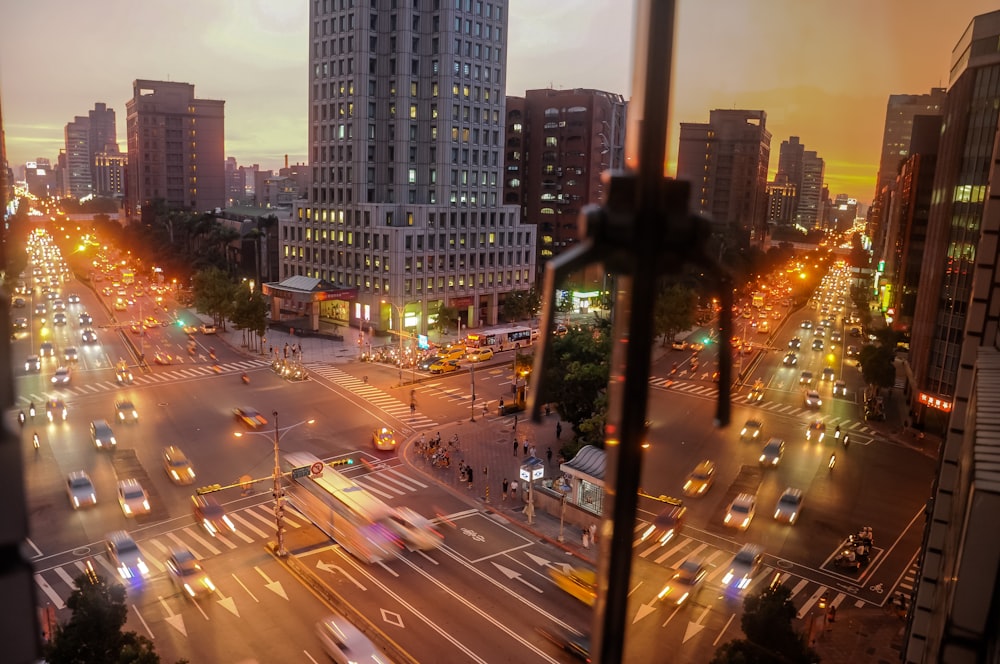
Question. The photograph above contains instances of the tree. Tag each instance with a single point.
(674, 311)
(519, 305)
(770, 637)
(446, 316)
(249, 311)
(877, 366)
(94, 632)
(214, 294)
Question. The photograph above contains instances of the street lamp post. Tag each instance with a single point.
(399, 312)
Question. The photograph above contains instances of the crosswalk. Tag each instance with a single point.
(373, 395)
(253, 524)
(709, 391)
(143, 380)
(805, 593)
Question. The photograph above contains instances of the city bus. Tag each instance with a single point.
(128, 277)
(501, 339)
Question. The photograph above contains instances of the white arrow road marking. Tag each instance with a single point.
(644, 610)
(511, 574)
(695, 626)
(273, 586)
(542, 562)
(227, 603)
(330, 567)
(175, 621)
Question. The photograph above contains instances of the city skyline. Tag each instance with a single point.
(835, 101)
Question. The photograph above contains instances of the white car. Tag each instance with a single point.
(102, 435)
(416, 532)
(80, 489)
(187, 574)
(771, 455)
(124, 554)
(133, 498)
(813, 400)
(745, 565)
(61, 376)
(344, 643)
(741, 511)
(789, 505)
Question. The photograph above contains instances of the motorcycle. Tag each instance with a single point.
(836, 433)
(20, 417)
(34, 439)
(31, 410)
(846, 440)
(245, 378)
(833, 461)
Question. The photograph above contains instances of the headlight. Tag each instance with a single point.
(229, 523)
(727, 578)
(126, 508)
(746, 522)
(76, 501)
(762, 457)
(145, 505)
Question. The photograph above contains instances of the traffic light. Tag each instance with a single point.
(342, 462)
(211, 488)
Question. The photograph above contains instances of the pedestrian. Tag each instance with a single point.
(506, 486)
(500, 408)
(558, 430)
(548, 454)
(270, 350)
(286, 350)
(515, 447)
(468, 472)
(513, 489)
(593, 533)
(515, 421)
(586, 538)
(532, 451)
(486, 408)
(486, 472)
(525, 447)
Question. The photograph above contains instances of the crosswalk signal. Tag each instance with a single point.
(342, 462)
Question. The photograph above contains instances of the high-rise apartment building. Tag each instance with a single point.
(899, 114)
(789, 174)
(175, 148)
(108, 172)
(726, 162)
(809, 208)
(406, 145)
(77, 178)
(559, 142)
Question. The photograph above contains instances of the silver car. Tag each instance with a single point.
(124, 554)
(80, 489)
(345, 643)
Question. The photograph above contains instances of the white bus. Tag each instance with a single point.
(501, 339)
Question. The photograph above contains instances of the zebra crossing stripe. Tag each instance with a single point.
(196, 536)
(811, 601)
(155, 561)
(798, 587)
(103, 562)
(211, 548)
(64, 575)
(249, 526)
(395, 472)
(368, 487)
(47, 589)
(384, 477)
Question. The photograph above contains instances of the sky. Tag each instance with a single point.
(822, 71)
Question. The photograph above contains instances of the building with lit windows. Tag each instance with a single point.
(406, 141)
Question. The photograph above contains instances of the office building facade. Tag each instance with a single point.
(899, 113)
(77, 178)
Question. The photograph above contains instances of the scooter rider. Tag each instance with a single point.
(31, 409)
(20, 417)
(34, 439)
(836, 432)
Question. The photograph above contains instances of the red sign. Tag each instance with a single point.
(317, 468)
(933, 402)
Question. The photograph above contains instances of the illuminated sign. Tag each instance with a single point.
(935, 403)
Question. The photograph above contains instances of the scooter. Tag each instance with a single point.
(846, 440)
(20, 417)
(31, 410)
(833, 461)
(34, 439)
(245, 378)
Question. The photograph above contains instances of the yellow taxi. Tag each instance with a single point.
(579, 582)
(700, 479)
(444, 365)
(384, 439)
(480, 354)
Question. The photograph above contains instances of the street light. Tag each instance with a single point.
(279, 498)
(399, 312)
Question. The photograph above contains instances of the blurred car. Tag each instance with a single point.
(700, 480)
(189, 330)
(61, 376)
(840, 387)
(55, 410)
(163, 358)
(19, 303)
(123, 373)
(668, 523)
(59, 319)
(746, 563)
(827, 375)
(452, 353)
(852, 351)
(86, 319)
(33, 363)
(20, 323)
(132, 497)
(444, 366)
(817, 344)
(771, 455)
(73, 298)
(568, 641)
(208, 329)
(187, 574)
(679, 345)
(137, 328)
(384, 439)
(836, 337)
(249, 416)
(740, 512)
(344, 643)
(791, 359)
(125, 411)
(89, 336)
(58, 305)
(426, 363)
(416, 531)
(813, 400)
(70, 354)
(177, 465)
(789, 505)
(806, 325)
(102, 435)
(211, 516)
(751, 430)
(47, 349)
(80, 489)
(580, 582)
(481, 355)
(124, 554)
(41, 309)
(805, 378)
(756, 393)
(684, 583)
(816, 431)
(795, 343)
(151, 322)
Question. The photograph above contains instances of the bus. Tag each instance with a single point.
(357, 520)
(128, 277)
(501, 339)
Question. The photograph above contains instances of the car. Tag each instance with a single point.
(817, 344)
(73, 298)
(795, 343)
(416, 532)
(189, 330)
(151, 322)
(789, 505)
(580, 582)
(745, 565)
(852, 351)
(855, 332)
(679, 345)
(828, 375)
(756, 392)
(751, 430)
(125, 411)
(791, 359)
(740, 512)
(384, 439)
(70, 354)
(59, 319)
(123, 373)
(89, 336)
(425, 364)
(211, 516)
(132, 497)
(697, 347)
(187, 574)
(55, 410)
(102, 435)
(684, 583)
(668, 523)
(840, 387)
(700, 479)
(208, 329)
(453, 353)
(444, 366)
(120, 305)
(80, 489)
(836, 337)
(816, 431)
(86, 319)
(61, 376)
(813, 399)
(480, 355)
(58, 305)
(33, 363)
(20, 323)
(163, 358)
(125, 555)
(19, 303)
(805, 378)
(47, 349)
(249, 416)
(41, 309)
(806, 325)
(137, 328)
(344, 643)
(771, 455)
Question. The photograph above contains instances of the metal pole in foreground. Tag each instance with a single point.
(279, 502)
